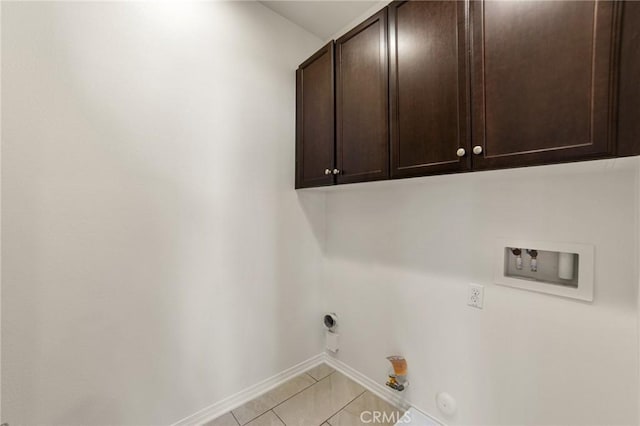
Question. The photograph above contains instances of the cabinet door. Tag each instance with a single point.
(362, 140)
(629, 95)
(315, 136)
(428, 87)
(542, 81)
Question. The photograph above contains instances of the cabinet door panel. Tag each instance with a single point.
(542, 81)
(629, 95)
(362, 102)
(428, 87)
(315, 136)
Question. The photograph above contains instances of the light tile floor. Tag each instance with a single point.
(320, 396)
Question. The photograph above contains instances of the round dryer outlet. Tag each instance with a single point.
(330, 321)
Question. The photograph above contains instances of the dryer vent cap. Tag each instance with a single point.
(330, 321)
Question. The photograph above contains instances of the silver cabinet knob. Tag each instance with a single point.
(477, 150)
(461, 152)
(327, 171)
(336, 171)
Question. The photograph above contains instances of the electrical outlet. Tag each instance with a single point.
(476, 296)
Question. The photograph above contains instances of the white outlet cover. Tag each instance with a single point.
(475, 296)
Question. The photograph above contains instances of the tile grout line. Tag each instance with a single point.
(277, 405)
(316, 380)
(276, 414)
(327, 419)
(342, 408)
(308, 387)
(234, 417)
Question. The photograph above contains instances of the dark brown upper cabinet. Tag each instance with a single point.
(543, 75)
(429, 90)
(470, 86)
(315, 143)
(629, 92)
(362, 126)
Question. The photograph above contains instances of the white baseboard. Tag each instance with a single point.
(234, 401)
(392, 397)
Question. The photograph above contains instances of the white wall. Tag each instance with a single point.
(375, 8)
(155, 256)
(156, 259)
(400, 256)
(637, 264)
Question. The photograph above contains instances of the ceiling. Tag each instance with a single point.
(322, 18)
